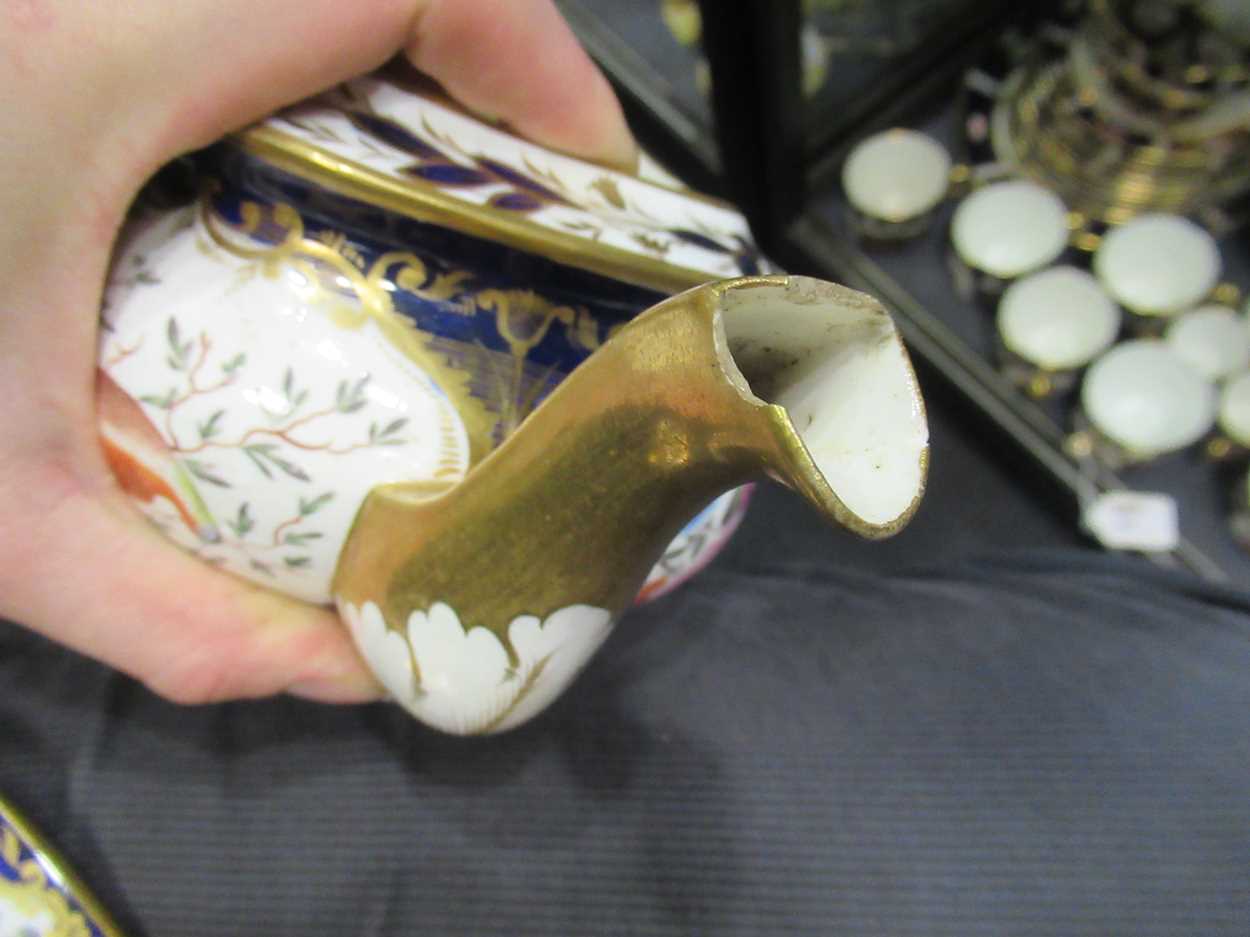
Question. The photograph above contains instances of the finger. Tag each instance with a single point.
(521, 63)
(94, 577)
(199, 70)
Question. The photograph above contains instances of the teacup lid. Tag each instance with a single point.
(399, 143)
(1213, 339)
(1158, 264)
(1057, 318)
(1146, 399)
(1010, 228)
(896, 175)
(1234, 412)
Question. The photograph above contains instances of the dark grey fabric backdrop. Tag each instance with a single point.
(970, 730)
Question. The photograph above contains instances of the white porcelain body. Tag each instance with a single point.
(243, 372)
(1158, 264)
(1057, 319)
(1008, 229)
(1146, 400)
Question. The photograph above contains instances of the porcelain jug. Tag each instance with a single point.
(479, 395)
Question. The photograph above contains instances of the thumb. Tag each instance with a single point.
(516, 60)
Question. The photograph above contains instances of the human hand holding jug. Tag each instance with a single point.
(337, 375)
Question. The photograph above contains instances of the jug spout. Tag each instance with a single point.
(477, 605)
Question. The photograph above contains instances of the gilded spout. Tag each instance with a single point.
(478, 604)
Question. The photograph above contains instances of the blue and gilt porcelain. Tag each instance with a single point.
(40, 896)
(397, 359)
(470, 271)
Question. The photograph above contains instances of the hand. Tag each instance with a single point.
(98, 96)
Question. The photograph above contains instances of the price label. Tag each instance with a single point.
(1133, 520)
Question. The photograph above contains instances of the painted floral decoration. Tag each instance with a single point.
(467, 681)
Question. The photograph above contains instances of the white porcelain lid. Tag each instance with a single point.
(1010, 228)
(896, 175)
(1142, 396)
(399, 143)
(1057, 318)
(1213, 339)
(1158, 264)
(1234, 413)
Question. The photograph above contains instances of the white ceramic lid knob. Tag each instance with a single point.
(1234, 413)
(1212, 339)
(1008, 229)
(1158, 265)
(1057, 319)
(896, 175)
(1143, 397)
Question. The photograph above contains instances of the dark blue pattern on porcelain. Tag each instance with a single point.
(459, 319)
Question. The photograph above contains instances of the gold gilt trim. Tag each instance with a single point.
(49, 865)
(426, 202)
(577, 509)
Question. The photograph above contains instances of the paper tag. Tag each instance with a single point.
(1133, 520)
